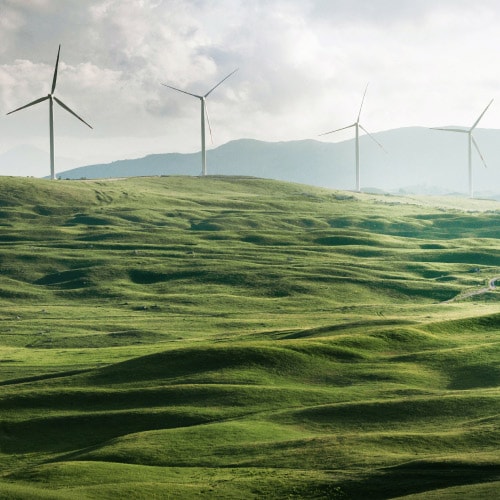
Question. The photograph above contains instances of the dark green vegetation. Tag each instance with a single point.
(241, 338)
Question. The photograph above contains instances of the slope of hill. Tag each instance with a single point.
(418, 160)
(229, 337)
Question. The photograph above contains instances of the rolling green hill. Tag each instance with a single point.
(223, 337)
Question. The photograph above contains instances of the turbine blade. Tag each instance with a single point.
(337, 130)
(478, 151)
(183, 91)
(480, 116)
(223, 80)
(208, 121)
(373, 138)
(362, 101)
(451, 129)
(54, 80)
(30, 104)
(70, 110)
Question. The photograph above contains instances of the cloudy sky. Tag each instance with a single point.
(303, 66)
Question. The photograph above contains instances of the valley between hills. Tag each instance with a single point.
(235, 337)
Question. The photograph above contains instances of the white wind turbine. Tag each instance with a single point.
(51, 98)
(204, 112)
(357, 125)
(471, 141)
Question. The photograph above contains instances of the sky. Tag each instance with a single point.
(303, 66)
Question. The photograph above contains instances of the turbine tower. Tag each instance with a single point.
(204, 112)
(471, 141)
(357, 125)
(51, 98)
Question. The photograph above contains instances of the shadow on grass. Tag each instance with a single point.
(415, 477)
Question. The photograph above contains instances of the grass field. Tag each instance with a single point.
(180, 338)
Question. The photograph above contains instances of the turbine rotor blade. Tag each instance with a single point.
(371, 136)
(223, 80)
(208, 121)
(183, 91)
(451, 130)
(70, 111)
(30, 104)
(478, 151)
(362, 101)
(480, 116)
(54, 79)
(337, 130)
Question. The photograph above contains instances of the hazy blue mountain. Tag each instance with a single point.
(27, 159)
(417, 160)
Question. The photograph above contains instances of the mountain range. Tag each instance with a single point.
(417, 160)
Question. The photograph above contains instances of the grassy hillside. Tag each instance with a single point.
(225, 337)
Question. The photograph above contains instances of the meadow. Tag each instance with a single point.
(230, 337)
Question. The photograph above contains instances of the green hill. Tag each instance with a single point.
(223, 337)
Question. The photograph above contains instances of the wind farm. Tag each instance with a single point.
(306, 318)
(51, 98)
(205, 121)
(470, 142)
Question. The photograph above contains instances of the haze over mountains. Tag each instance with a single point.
(25, 160)
(418, 160)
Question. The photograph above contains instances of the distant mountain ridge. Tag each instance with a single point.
(417, 160)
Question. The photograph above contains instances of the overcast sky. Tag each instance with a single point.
(303, 66)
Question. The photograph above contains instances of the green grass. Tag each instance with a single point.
(243, 338)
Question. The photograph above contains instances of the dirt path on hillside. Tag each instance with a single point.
(491, 286)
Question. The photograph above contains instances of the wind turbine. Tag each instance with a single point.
(204, 112)
(357, 125)
(471, 141)
(51, 98)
